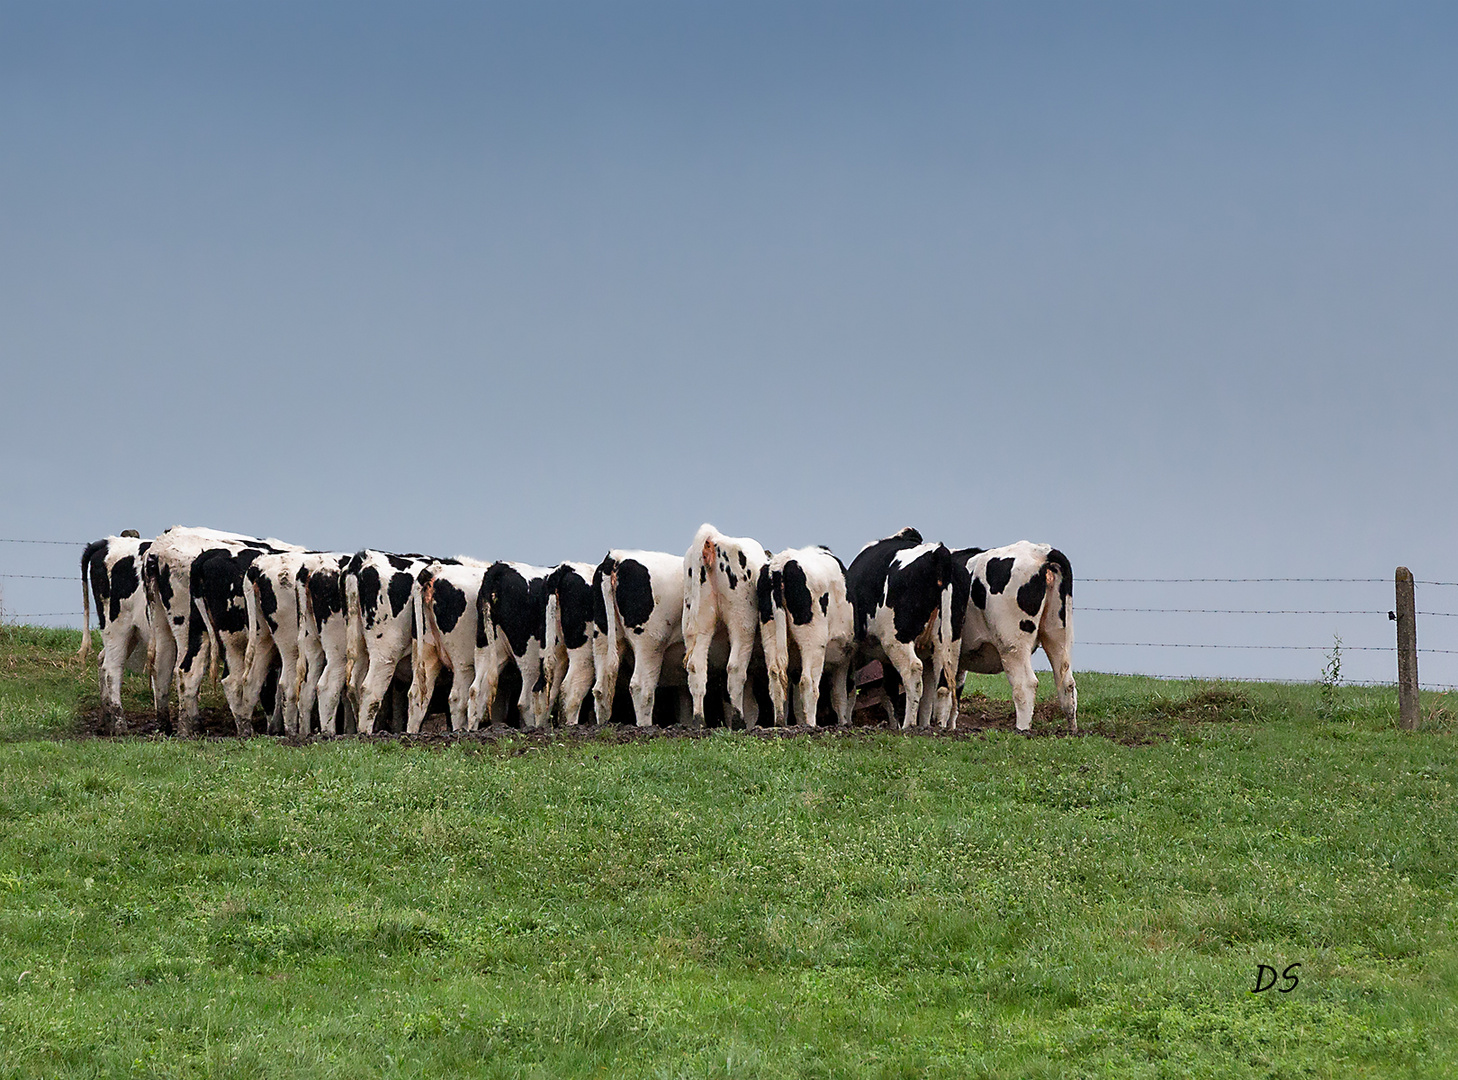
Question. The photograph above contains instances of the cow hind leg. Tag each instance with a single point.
(696, 661)
(605, 683)
(840, 693)
(807, 701)
(372, 693)
(575, 687)
(422, 687)
(927, 705)
(331, 690)
(741, 696)
(644, 687)
(192, 669)
(1024, 682)
(465, 677)
(113, 663)
(908, 666)
(1055, 645)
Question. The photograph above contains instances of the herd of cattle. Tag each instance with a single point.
(339, 637)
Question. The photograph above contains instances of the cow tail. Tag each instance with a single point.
(250, 601)
(699, 569)
(949, 641)
(780, 629)
(1059, 596)
(610, 602)
(554, 624)
(353, 629)
(425, 621)
(214, 642)
(85, 650)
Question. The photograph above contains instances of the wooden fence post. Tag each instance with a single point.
(1409, 712)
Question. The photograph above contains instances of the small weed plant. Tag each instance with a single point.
(1329, 705)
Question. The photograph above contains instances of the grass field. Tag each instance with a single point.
(863, 904)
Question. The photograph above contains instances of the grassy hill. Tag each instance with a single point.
(842, 904)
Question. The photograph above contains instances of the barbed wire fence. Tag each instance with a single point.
(1429, 612)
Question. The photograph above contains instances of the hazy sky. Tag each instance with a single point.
(1174, 287)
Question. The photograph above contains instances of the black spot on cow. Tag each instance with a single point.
(999, 573)
(599, 605)
(703, 573)
(574, 604)
(267, 600)
(216, 580)
(517, 605)
(398, 562)
(449, 604)
(729, 575)
(914, 591)
(1027, 626)
(1032, 591)
(961, 585)
(93, 565)
(399, 593)
(743, 563)
(825, 603)
(326, 594)
(368, 580)
(634, 592)
(798, 601)
(163, 578)
(764, 593)
(865, 579)
(178, 620)
(1065, 582)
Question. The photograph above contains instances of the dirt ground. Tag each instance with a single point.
(975, 717)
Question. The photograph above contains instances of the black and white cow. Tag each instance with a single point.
(111, 569)
(275, 633)
(379, 594)
(1020, 598)
(323, 638)
(445, 635)
(721, 608)
(638, 611)
(194, 582)
(807, 622)
(568, 650)
(511, 625)
(909, 599)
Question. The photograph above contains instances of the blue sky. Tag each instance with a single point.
(1170, 286)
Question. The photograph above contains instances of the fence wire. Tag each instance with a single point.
(1351, 612)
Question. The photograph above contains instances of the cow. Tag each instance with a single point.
(444, 596)
(909, 599)
(275, 632)
(379, 594)
(567, 653)
(111, 569)
(194, 583)
(806, 620)
(637, 610)
(1020, 598)
(720, 606)
(323, 638)
(511, 625)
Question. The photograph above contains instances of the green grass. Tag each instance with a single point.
(862, 905)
